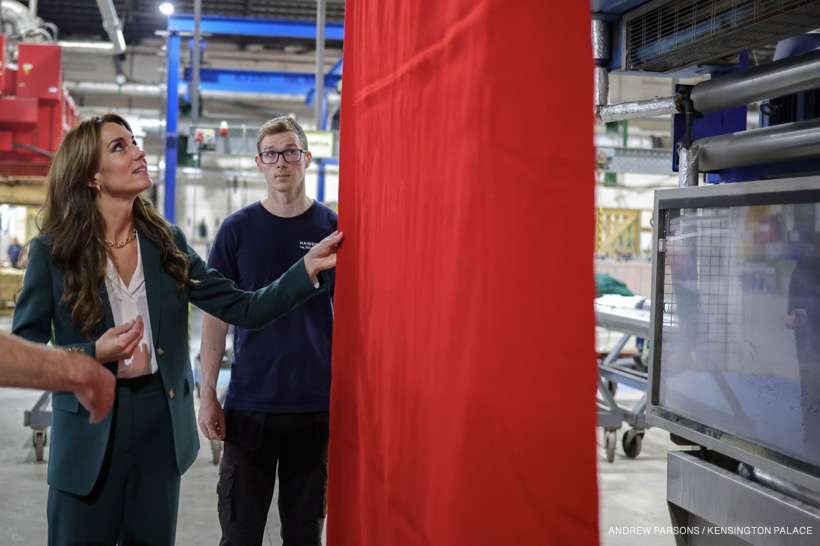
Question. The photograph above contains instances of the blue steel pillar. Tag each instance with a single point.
(171, 128)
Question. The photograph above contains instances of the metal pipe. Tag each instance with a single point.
(793, 490)
(104, 88)
(601, 53)
(783, 77)
(319, 98)
(153, 90)
(87, 47)
(112, 25)
(775, 79)
(658, 106)
(194, 91)
(601, 37)
(193, 94)
(18, 16)
(601, 86)
(785, 142)
(605, 113)
(688, 160)
(319, 95)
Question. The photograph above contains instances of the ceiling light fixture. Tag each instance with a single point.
(166, 8)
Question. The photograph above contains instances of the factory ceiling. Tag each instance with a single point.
(134, 83)
(141, 19)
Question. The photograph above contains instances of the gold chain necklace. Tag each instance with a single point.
(125, 242)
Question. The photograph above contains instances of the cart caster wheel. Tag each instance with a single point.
(612, 386)
(216, 451)
(38, 440)
(631, 442)
(610, 440)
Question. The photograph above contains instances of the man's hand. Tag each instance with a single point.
(211, 417)
(96, 386)
(323, 255)
(35, 366)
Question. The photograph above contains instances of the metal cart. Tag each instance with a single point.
(629, 315)
(39, 420)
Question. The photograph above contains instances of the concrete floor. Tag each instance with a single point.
(23, 489)
(632, 491)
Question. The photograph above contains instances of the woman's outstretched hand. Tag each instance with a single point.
(120, 342)
(323, 255)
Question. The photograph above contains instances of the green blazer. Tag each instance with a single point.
(78, 447)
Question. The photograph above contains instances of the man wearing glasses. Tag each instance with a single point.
(276, 409)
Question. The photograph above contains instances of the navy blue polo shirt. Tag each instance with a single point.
(285, 367)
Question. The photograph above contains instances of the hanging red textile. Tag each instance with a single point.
(462, 405)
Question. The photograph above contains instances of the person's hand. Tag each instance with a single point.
(796, 319)
(96, 386)
(211, 417)
(120, 342)
(323, 255)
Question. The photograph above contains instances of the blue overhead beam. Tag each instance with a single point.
(221, 79)
(285, 28)
(229, 80)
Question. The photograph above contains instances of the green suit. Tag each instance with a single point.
(78, 447)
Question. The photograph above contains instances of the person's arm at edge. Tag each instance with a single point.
(211, 417)
(31, 365)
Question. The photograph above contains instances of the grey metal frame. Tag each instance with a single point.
(792, 190)
(701, 495)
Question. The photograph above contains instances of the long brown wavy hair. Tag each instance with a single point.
(71, 217)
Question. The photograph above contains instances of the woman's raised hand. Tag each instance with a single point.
(120, 342)
(323, 255)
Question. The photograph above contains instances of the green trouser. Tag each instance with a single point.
(136, 497)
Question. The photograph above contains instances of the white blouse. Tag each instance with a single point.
(127, 302)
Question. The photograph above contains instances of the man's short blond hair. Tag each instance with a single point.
(282, 124)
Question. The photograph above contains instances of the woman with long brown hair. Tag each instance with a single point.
(110, 278)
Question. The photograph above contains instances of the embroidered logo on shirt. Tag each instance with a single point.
(306, 245)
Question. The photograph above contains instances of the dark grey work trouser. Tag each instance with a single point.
(136, 498)
(258, 444)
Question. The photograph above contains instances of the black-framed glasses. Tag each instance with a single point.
(291, 155)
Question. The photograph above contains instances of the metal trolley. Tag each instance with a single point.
(631, 317)
(39, 420)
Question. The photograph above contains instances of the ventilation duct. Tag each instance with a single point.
(680, 33)
(17, 19)
(112, 25)
(19, 22)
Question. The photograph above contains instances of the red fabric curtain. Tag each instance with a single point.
(463, 362)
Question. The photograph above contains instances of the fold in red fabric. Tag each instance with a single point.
(464, 371)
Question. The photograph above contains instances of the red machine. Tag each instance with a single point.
(35, 109)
